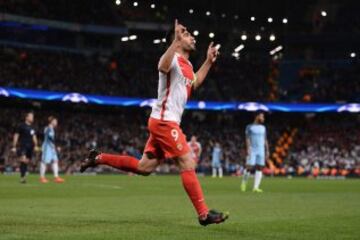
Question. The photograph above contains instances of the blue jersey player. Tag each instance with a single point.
(257, 150)
(49, 152)
(216, 160)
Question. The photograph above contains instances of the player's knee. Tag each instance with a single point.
(186, 163)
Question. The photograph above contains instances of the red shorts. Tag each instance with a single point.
(166, 140)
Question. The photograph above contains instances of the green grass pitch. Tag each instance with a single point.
(156, 207)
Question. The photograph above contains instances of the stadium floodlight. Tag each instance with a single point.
(196, 32)
(223, 15)
(135, 4)
(243, 37)
(157, 41)
(118, 2)
(257, 37)
(285, 21)
(352, 54)
(163, 40)
(125, 39)
(133, 37)
(272, 37)
(152, 5)
(239, 48)
(270, 19)
(208, 13)
(236, 17)
(235, 54)
(252, 19)
(323, 13)
(191, 11)
(211, 35)
(275, 50)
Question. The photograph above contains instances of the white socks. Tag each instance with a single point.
(220, 171)
(42, 169)
(55, 167)
(258, 176)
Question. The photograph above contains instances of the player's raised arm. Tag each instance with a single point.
(211, 56)
(166, 59)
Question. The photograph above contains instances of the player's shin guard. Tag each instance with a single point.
(194, 191)
(122, 162)
(23, 169)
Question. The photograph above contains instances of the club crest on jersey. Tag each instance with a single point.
(179, 146)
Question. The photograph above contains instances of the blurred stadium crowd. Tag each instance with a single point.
(230, 80)
(312, 151)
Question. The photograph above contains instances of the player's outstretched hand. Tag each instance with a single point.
(212, 52)
(179, 30)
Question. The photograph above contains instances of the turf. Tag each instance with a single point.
(156, 207)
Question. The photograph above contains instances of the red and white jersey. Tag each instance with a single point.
(195, 149)
(174, 89)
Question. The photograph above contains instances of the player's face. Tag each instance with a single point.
(188, 41)
(29, 118)
(54, 123)
(193, 139)
(261, 118)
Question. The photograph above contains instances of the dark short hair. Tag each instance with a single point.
(257, 113)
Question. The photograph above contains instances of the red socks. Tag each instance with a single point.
(194, 191)
(122, 162)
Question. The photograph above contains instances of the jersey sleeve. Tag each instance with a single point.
(172, 65)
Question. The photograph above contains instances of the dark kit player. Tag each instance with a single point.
(24, 143)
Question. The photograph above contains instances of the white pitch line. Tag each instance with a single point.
(103, 186)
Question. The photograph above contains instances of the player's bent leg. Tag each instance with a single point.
(194, 191)
(145, 166)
